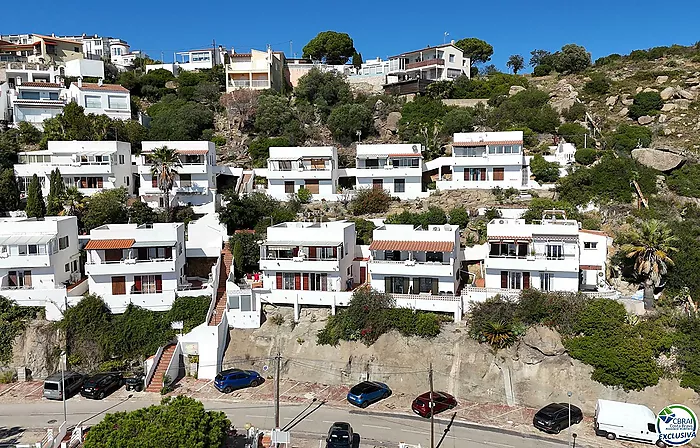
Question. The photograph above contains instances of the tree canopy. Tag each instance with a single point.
(36, 208)
(478, 51)
(516, 63)
(105, 207)
(330, 47)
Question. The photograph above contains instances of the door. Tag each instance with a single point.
(118, 285)
(363, 274)
(112, 255)
(378, 184)
(498, 174)
(289, 186)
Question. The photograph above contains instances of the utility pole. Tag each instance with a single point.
(277, 390)
(432, 407)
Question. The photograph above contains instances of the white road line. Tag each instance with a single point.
(377, 427)
(415, 432)
(496, 444)
(329, 421)
(258, 416)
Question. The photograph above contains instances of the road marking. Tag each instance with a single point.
(415, 432)
(377, 427)
(328, 421)
(496, 444)
(258, 416)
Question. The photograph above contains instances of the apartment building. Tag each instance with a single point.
(102, 99)
(42, 49)
(35, 102)
(97, 47)
(483, 160)
(40, 263)
(91, 166)
(314, 168)
(139, 264)
(195, 184)
(258, 70)
(553, 254)
(408, 260)
(396, 168)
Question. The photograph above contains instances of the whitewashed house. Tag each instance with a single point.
(314, 168)
(396, 168)
(308, 263)
(139, 264)
(35, 102)
(442, 62)
(91, 166)
(483, 160)
(195, 182)
(102, 99)
(40, 263)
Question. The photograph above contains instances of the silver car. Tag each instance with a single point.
(53, 385)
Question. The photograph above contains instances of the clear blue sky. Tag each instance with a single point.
(379, 28)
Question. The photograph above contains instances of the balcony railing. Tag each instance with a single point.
(300, 258)
(426, 296)
(413, 262)
(246, 84)
(131, 261)
(425, 63)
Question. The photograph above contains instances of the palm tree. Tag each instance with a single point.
(164, 160)
(651, 247)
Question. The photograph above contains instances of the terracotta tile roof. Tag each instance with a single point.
(495, 142)
(420, 246)
(360, 259)
(241, 55)
(108, 87)
(590, 267)
(192, 151)
(109, 244)
(593, 232)
(508, 237)
(53, 85)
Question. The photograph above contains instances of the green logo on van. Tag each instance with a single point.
(676, 425)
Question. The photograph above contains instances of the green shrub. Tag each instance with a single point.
(598, 85)
(539, 205)
(607, 60)
(684, 181)
(645, 103)
(586, 156)
(259, 148)
(542, 70)
(427, 325)
(627, 137)
(13, 320)
(494, 85)
(370, 200)
(544, 172)
(277, 319)
(218, 140)
(459, 216)
(574, 133)
(577, 112)
(115, 365)
(8, 376)
(304, 195)
(433, 216)
(345, 120)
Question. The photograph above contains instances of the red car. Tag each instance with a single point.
(442, 401)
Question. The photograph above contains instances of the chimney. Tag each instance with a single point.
(99, 82)
(80, 81)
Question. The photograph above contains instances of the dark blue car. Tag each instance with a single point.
(231, 379)
(368, 392)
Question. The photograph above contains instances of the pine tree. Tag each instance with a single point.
(57, 192)
(238, 259)
(35, 200)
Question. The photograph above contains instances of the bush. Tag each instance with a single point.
(684, 181)
(494, 85)
(571, 58)
(598, 85)
(574, 133)
(607, 60)
(433, 216)
(8, 376)
(457, 119)
(645, 103)
(542, 70)
(259, 148)
(218, 140)
(345, 120)
(527, 108)
(324, 90)
(586, 156)
(459, 216)
(577, 112)
(544, 172)
(627, 137)
(304, 195)
(370, 200)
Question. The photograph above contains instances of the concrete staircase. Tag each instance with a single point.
(156, 382)
(220, 306)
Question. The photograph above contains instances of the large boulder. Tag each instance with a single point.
(661, 79)
(515, 89)
(658, 159)
(668, 107)
(645, 119)
(392, 121)
(544, 340)
(667, 93)
(685, 94)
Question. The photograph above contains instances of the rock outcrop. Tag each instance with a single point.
(36, 349)
(658, 159)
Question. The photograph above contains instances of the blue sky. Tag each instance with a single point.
(379, 28)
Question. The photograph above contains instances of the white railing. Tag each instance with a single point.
(173, 365)
(473, 292)
(215, 287)
(152, 370)
(602, 294)
(413, 262)
(260, 83)
(132, 261)
(426, 296)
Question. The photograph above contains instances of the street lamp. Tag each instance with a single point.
(63, 384)
(568, 394)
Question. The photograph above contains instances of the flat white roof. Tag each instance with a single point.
(149, 146)
(82, 147)
(297, 152)
(486, 137)
(388, 149)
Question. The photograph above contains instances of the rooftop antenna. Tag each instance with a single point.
(444, 37)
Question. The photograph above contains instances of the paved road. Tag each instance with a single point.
(374, 428)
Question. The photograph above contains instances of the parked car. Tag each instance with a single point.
(340, 435)
(102, 384)
(227, 381)
(135, 382)
(555, 416)
(368, 392)
(442, 401)
(53, 385)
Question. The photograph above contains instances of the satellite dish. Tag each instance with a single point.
(415, 148)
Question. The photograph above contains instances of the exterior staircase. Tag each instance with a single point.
(156, 382)
(220, 306)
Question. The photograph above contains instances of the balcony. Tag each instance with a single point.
(537, 262)
(24, 261)
(426, 63)
(246, 84)
(130, 266)
(412, 268)
(190, 189)
(299, 264)
(186, 168)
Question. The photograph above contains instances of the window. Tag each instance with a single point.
(425, 285)
(118, 285)
(399, 185)
(76, 49)
(179, 248)
(154, 181)
(53, 96)
(318, 164)
(392, 255)
(498, 173)
(29, 95)
(312, 186)
(126, 180)
(399, 285)
(546, 281)
(66, 268)
(590, 245)
(289, 186)
(247, 303)
(63, 242)
(326, 253)
(185, 180)
(434, 257)
(378, 184)
(288, 280)
(475, 174)
(372, 163)
(19, 279)
(515, 280)
(75, 265)
(121, 159)
(93, 102)
(117, 102)
(318, 282)
(234, 302)
(88, 182)
(32, 249)
(506, 249)
(555, 252)
(148, 284)
(411, 162)
(452, 58)
(285, 165)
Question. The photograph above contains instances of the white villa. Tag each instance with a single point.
(396, 168)
(91, 166)
(139, 264)
(40, 263)
(290, 168)
(112, 100)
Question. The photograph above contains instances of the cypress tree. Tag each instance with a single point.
(57, 191)
(9, 191)
(35, 200)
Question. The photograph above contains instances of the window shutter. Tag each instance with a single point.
(387, 284)
(436, 285)
(297, 281)
(312, 252)
(416, 285)
(483, 174)
(28, 279)
(295, 252)
(99, 182)
(335, 252)
(324, 282)
(168, 252)
(154, 182)
(137, 282)
(306, 281)
(159, 283)
(406, 284)
(526, 280)
(143, 253)
(504, 279)
(279, 280)
(13, 278)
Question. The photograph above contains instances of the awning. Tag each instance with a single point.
(16, 240)
(489, 143)
(192, 152)
(273, 159)
(154, 244)
(109, 244)
(419, 246)
(287, 244)
(509, 238)
(589, 267)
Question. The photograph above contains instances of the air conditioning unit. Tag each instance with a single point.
(436, 228)
(500, 221)
(415, 148)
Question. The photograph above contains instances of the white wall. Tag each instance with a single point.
(79, 96)
(562, 281)
(85, 67)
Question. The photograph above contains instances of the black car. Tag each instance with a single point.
(100, 385)
(555, 416)
(340, 436)
(135, 382)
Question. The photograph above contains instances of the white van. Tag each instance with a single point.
(627, 421)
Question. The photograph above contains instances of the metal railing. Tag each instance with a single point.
(427, 296)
